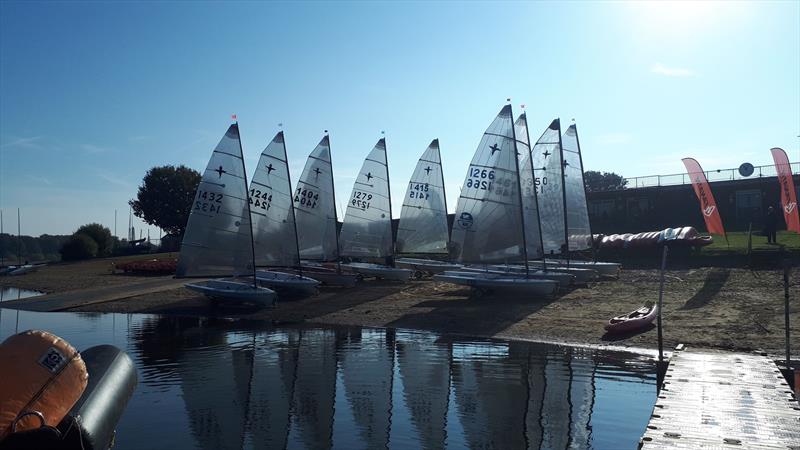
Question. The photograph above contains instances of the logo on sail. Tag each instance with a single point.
(790, 207)
(709, 210)
(465, 220)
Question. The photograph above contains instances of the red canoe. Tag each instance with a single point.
(635, 320)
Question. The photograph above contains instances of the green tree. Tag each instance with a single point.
(79, 246)
(603, 181)
(101, 235)
(165, 197)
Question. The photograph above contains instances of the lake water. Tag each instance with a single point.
(12, 293)
(218, 384)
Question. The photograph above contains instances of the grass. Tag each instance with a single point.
(737, 244)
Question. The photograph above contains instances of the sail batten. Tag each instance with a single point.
(367, 227)
(314, 197)
(217, 237)
(488, 225)
(423, 218)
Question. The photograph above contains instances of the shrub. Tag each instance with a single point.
(101, 235)
(79, 246)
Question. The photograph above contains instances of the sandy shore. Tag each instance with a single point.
(710, 307)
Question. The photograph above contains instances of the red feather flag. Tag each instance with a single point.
(788, 194)
(708, 206)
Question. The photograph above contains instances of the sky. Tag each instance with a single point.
(94, 94)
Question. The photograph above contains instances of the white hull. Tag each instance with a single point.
(602, 268)
(283, 281)
(329, 276)
(426, 265)
(235, 290)
(379, 271)
(21, 270)
(531, 286)
(563, 279)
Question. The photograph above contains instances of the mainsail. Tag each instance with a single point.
(367, 227)
(274, 233)
(217, 237)
(423, 219)
(547, 170)
(315, 206)
(530, 205)
(488, 223)
(579, 231)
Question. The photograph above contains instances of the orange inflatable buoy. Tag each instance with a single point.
(43, 376)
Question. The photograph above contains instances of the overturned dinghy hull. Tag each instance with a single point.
(535, 287)
(234, 290)
(563, 279)
(287, 282)
(602, 268)
(379, 271)
(426, 265)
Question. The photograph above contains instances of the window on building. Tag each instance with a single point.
(748, 206)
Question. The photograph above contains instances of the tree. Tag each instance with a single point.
(100, 235)
(165, 197)
(79, 246)
(603, 181)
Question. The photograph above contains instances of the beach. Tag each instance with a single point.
(725, 308)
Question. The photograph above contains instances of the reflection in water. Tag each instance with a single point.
(12, 293)
(215, 383)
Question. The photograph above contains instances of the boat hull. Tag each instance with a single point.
(379, 271)
(22, 270)
(631, 325)
(233, 290)
(563, 279)
(602, 268)
(536, 287)
(287, 282)
(426, 265)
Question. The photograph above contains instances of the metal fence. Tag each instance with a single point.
(712, 175)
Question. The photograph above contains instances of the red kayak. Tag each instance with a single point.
(635, 320)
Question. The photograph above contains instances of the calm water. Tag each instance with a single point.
(215, 383)
(12, 293)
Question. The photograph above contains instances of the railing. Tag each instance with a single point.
(712, 175)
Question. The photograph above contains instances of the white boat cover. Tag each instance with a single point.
(423, 218)
(217, 237)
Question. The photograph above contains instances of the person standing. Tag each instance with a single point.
(771, 225)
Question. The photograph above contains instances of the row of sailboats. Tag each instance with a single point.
(517, 205)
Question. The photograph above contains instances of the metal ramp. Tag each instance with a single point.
(723, 400)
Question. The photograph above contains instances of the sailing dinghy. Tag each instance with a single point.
(273, 218)
(315, 211)
(218, 241)
(423, 229)
(559, 168)
(367, 227)
(489, 225)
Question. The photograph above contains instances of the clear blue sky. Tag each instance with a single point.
(94, 94)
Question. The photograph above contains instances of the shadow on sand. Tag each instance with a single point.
(616, 337)
(713, 283)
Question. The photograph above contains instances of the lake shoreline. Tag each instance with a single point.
(723, 308)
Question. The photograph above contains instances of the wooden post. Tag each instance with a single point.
(660, 303)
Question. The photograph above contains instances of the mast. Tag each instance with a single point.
(519, 190)
(19, 240)
(335, 215)
(249, 214)
(291, 202)
(563, 193)
(389, 191)
(583, 183)
(444, 195)
(1, 238)
(535, 194)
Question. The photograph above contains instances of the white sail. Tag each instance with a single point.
(217, 237)
(315, 206)
(488, 223)
(530, 206)
(423, 219)
(367, 227)
(547, 169)
(271, 208)
(579, 231)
